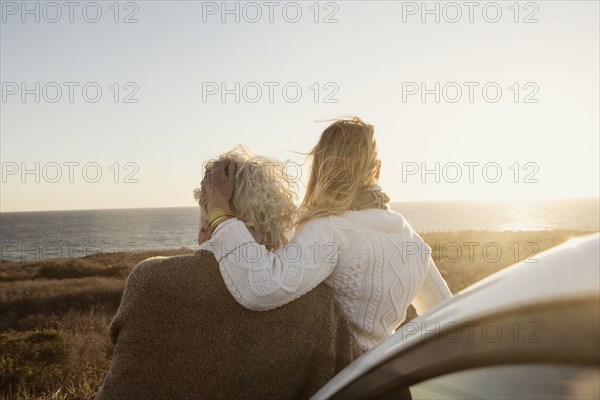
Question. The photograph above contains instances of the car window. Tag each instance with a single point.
(513, 381)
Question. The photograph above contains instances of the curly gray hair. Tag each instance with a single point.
(263, 197)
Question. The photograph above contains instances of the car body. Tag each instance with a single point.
(528, 331)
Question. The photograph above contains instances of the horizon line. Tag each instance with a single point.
(597, 198)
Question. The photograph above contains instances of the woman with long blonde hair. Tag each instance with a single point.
(346, 236)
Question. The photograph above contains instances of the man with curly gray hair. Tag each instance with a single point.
(263, 197)
(179, 333)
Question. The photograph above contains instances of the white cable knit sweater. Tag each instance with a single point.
(373, 260)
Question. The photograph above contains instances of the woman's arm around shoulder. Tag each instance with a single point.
(261, 280)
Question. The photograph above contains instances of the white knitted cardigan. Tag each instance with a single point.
(373, 260)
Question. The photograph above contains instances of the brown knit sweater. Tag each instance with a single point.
(179, 334)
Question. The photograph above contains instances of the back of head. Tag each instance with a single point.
(180, 334)
(263, 197)
(344, 163)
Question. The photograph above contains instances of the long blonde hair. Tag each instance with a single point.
(344, 163)
(263, 197)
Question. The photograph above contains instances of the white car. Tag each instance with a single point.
(530, 331)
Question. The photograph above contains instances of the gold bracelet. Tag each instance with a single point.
(221, 216)
(215, 212)
(217, 220)
(217, 223)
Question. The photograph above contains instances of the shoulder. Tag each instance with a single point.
(386, 221)
(317, 223)
(158, 270)
(160, 282)
(319, 228)
(153, 265)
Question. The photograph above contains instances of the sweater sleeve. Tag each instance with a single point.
(261, 280)
(433, 290)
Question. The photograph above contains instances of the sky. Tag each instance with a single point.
(117, 105)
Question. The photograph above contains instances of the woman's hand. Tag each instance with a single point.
(218, 185)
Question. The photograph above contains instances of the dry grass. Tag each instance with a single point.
(23, 299)
(54, 318)
(466, 257)
(54, 315)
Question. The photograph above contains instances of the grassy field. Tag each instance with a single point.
(54, 315)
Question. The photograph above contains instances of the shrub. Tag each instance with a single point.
(79, 269)
(32, 360)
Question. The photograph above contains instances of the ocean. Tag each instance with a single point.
(47, 235)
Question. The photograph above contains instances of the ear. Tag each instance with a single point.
(378, 169)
